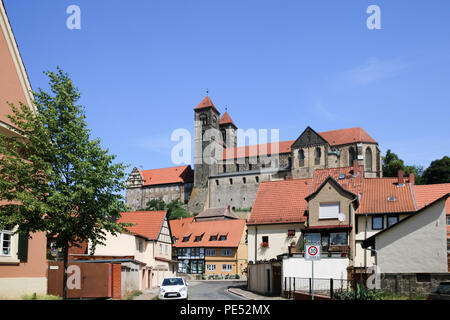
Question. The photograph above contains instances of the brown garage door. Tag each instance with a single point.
(95, 280)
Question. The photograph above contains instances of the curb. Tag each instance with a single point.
(239, 294)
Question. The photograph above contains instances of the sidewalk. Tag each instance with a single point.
(249, 295)
(148, 294)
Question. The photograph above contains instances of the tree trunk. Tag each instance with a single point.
(65, 254)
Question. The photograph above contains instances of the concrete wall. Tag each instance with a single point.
(278, 240)
(418, 244)
(257, 277)
(325, 268)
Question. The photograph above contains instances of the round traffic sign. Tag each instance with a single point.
(312, 250)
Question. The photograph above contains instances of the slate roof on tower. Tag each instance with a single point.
(226, 119)
(206, 103)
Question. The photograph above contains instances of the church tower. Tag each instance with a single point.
(228, 130)
(206, 117)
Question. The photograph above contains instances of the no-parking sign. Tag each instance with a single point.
(312, 252)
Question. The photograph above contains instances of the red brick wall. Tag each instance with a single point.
(116, 281)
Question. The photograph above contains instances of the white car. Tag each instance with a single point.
(173, 288)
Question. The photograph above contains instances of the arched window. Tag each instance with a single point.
(302, 158)
(368, 159)
(351, 156)
(224, 136)
(318, 155)
(204, 119)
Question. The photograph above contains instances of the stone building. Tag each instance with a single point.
(228, 175)
(168, 184)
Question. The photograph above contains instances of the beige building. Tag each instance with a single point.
(148, 246)
(417, 244)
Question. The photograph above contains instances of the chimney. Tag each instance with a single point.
(412, 178)
(401, 179)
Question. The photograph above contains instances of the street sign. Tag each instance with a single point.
(312, 252)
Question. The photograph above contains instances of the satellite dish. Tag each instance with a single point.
(341, 217)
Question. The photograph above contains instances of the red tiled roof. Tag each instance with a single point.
(258, 150)
(376, 192)
(280, 202)
(346, 136)
(226, 119)
(353, 178)
(206, 102)
(147, 223)
(177, 225)
(426, 194)
(233, 229)
(181, 174)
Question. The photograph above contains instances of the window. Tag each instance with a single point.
(448, 220)
(160, 248)
(217, 182)
(166, 247)
(227, 252)
(368, 159)
(211, 267)
(139, 245)
(204, 119)
(186, 239)
(265, 239)
(392, 220)
(291, 232)
(257, 179)
(250, 166)
(227, 267)
(224, 168)
(198, 238)
(231, 181)
(448, 245)
(377, 223)
(223, 237)
(237, 167)
(312, 238)
(244, 180)
(213, 238)
(338, 239)
(318, 156)
(329, 210)
(210, 252)
(351, 156)
(5, 242)
(301, 158)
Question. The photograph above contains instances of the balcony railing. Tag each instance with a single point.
(331, 251)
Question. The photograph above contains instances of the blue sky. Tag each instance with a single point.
(143, 65)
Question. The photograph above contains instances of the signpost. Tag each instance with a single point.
(312, 252)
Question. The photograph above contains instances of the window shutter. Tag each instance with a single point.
(23, 247)
(329, 210)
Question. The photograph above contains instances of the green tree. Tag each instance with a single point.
(392, 164)
(175, 210)
(437, 172)
(156, 205)
(54, 177)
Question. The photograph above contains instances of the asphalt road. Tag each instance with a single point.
(213, 290)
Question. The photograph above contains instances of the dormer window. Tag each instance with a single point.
(213, 238)
(223, 237)
(186, 239)
(198, 238)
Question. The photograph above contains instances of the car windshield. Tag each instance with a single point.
(443, 289)
(173, 282)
